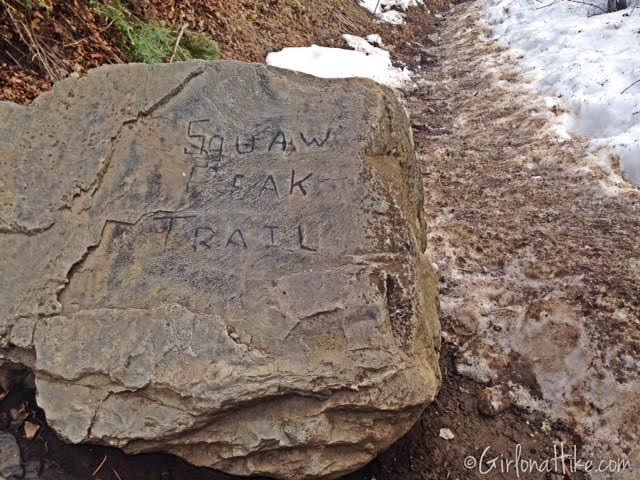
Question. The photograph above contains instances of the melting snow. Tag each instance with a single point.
(386, 10)
(364, 60)
(585, 58)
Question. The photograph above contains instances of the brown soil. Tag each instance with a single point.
(39, 46)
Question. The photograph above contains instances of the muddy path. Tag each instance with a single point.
(537, 247)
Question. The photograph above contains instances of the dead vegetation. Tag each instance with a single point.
(42, 41)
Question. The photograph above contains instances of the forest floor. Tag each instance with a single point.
(535, 246)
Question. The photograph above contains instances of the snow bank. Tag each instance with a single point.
(585, 58)
(375, 39)
(387, 10)
(364, 61)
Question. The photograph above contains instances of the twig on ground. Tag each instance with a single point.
(51, 63)
(575, 1)
(84, 39)
(634, 83)
(589, 5)
(95, 472)
(13, 58)
(547, 5)
(175, 48)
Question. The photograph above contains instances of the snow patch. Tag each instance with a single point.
(365, 61)
(386, 10)
(587, 59)
(375, 39)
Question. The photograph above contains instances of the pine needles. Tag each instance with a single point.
(153, 42)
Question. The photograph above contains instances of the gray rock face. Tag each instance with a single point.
(219, 260)
(10, 459)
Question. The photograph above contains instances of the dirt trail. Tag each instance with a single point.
(536, 246)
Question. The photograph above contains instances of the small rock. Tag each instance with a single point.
(10, 462)
(30, 430)
(493, 401)
(446, 434)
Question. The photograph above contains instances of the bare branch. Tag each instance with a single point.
(175, 48)
(574, 1)
(637, 81)
(50, 62)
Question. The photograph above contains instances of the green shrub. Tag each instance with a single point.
(153, 42)
(199, 45)
(29, 5)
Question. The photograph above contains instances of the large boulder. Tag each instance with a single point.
(219, 260)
